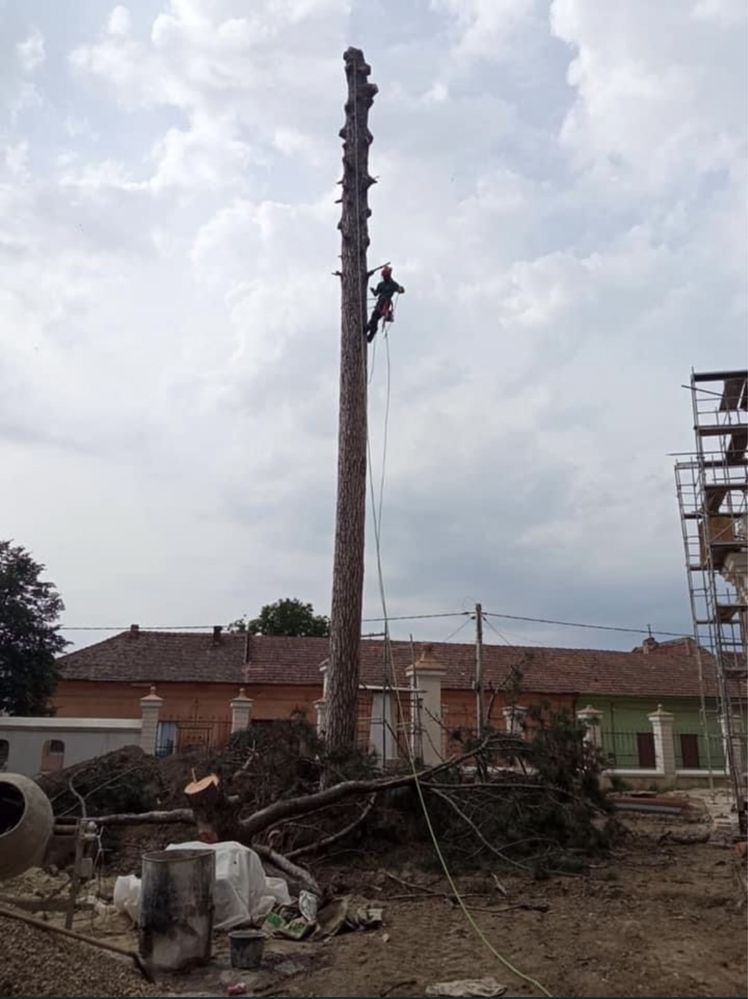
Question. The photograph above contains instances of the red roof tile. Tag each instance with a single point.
(194, 658)
(154, 656)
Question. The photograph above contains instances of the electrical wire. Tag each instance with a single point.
(457, 630)
(594, 627)
(496, 630)
(405, 617)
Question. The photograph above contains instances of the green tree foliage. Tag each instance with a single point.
(29, 635)
(285, 617)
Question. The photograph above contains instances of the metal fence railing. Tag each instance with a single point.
(636, 751)
(182, 735)
(692, 752)
(629, 750)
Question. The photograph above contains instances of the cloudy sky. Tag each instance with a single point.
(561, 191)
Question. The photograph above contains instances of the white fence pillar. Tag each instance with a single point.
(150, 706)
(320, 707)
(426, 681)
(514, 719)
(241, 711)
(382, 733)
(664, 741)
(590, 718)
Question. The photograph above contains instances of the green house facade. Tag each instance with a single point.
(626, 732)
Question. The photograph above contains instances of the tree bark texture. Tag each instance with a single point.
(348, 567)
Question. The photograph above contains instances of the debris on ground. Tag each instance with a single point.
(339, 915)
(669, 910)
(242, 891)
(486, 987)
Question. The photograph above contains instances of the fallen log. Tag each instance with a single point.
(290, 807)
(181, 815)
(288, 867)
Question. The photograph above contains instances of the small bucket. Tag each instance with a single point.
(247, 947)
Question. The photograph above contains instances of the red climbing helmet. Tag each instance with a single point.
(386, 271)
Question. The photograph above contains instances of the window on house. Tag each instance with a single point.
(689, 749)
(645, 746)
(4, 753)
(53, 755)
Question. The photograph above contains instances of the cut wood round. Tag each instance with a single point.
(204, 790)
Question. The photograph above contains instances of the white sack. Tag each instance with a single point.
(241, 890)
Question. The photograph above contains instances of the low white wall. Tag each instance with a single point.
(83, 738)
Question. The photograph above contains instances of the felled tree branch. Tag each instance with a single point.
(288, 808)
(334, 837)
(476, 830)
(288, 867)
(182, 815)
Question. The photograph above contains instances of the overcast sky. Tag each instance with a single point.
(561, 191)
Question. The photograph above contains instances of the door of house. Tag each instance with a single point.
(645, 745)
(689, 749)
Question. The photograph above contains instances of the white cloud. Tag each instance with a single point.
(487, 27)
(30, 52)
(661, 96)
(561, 196)
(120, 21)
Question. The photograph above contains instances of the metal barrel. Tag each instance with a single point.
(176, 908)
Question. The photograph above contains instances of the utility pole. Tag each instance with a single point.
(479, 667)
(348, 565)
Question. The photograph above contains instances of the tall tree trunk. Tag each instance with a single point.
(348, 568)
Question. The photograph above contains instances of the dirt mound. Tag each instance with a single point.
(126, 780)
(36, 963)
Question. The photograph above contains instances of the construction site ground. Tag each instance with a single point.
(656, 918)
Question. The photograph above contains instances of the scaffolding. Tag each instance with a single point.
(712, 487)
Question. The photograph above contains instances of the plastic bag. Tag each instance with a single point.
(241, 891)
(240, 885)
(126, 896)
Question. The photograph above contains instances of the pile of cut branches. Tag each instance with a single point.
(530, 803)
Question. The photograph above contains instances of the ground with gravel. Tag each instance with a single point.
(35, 963)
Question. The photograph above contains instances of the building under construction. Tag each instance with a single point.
(712, 484)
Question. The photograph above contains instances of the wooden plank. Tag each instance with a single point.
(718, 376)
(734, 395)
(726, 612)
(32, 904)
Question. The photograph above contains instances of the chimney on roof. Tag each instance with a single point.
(649, 645)
(134, 630)
(217, 629)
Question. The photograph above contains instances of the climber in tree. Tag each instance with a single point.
(383, 309)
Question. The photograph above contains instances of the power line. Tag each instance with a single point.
(209, 627)
(417, 617)
(408, 617)
(496, 631)
(597, 627)
(457, 630)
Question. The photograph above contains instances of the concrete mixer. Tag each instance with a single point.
(26, 824)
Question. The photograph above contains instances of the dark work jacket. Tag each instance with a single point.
(386, 288)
